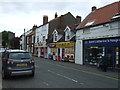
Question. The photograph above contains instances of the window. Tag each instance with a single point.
(27, 40)
(55, 37)
(86, 30)
(19, 55)
(90, 23)
(68, 33)
(43, 38)
(37, 39)
(32, 38)
(68, 37)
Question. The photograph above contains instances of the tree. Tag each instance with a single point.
(9, 40)
(4, 39)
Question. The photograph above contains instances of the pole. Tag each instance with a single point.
(24, 41)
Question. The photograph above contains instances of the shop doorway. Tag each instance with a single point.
(63, 53)
(111, 56)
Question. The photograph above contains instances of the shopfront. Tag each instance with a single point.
(95, 49)
(62, 49)
(40, 50)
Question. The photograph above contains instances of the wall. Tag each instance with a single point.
(40, 32)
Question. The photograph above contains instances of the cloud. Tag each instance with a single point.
(15, 15)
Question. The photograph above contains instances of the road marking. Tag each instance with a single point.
(65, 77)
(85, 71)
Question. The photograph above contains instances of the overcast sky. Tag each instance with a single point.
(15, 15)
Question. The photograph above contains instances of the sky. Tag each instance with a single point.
(17, 15)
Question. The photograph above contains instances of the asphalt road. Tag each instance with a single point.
(50, 74)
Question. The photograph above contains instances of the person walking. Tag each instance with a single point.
(54, 57)
(104, 63)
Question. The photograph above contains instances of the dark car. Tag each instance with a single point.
(17, 62)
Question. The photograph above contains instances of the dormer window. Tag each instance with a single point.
(68, 37)
(55, 36)
(67, 33)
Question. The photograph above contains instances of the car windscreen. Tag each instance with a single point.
(20, 55)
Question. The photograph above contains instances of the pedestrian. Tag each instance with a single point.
(104, 63)
(50, 56)
(54, 57)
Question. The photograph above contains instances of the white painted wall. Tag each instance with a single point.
(79, 52)
(40, 32)
(101, 31)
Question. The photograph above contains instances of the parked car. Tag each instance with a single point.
(17, 62)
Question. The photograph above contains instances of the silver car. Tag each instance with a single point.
(17, 62)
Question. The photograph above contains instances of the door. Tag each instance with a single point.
(111, 56)
(63, 53)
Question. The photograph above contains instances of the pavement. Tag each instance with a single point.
(86, 68)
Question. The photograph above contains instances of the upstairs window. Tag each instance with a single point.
(68, 34)
(37, 39)
(43, 38)
(33, 38)
(86, 30)
(55, 37)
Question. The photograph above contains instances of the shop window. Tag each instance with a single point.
(92, 55)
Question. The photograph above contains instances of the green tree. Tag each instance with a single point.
(4, 39)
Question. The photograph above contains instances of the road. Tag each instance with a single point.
(51, 74)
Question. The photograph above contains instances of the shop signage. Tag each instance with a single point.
(62, 44)
(52, 45)
(65, 44)
(103, 42)
(40, 44)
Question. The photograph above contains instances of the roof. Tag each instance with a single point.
(59, 17)
(72, 27)
(101, 15)
(60, 30)
(32, 33)
(62, 39)
(73, 38)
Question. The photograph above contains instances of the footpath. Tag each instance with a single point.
(86, 68)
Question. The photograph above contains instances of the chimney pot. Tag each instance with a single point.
(45, 19)
(78, 19)
(56, 15)
(94, 8)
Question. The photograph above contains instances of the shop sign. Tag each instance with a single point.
(103, 42)
(62, 44)
(65, 44)
(52, 45)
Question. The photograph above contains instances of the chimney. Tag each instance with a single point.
(78, 19)
(34, 27)
(45, 19)
(94, 8)
(56, 15)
